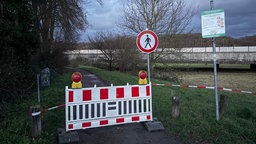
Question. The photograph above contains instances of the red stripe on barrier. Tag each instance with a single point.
(168, 84)
(153, 84)
(220, 88)
(236, 91)
(135, 91)
(119, 92)
(103, 122)
(148, 117)
(70, 96)
(86, 124)
(62, 105)
(184, 86)
(147, 91)
(70, 126)
(87, 95)
(202, 87)
(120, 120)
(103, 94)
(135, 118)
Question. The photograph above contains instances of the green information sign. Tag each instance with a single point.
(213, 23)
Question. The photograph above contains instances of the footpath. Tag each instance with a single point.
(134, 133)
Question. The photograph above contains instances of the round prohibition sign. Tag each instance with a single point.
(147, 41)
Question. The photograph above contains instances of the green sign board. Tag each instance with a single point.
(213, 23)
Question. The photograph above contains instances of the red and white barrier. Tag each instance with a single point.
(55, 107)
(204, 87)
(104, 106)
(45, 110)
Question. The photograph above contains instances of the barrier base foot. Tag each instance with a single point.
(154, 125)
(64, 137)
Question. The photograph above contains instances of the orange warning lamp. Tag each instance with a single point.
(76, 78)
(142, 77)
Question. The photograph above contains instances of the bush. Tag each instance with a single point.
(55, 60)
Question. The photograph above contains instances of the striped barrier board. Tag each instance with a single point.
(105, 106)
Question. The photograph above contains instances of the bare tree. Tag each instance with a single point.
(161, 16)
(164, 17)
(128, 55)
(118, 50)
(59, 19)
(104, 41)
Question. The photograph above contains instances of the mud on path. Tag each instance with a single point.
(134, 133)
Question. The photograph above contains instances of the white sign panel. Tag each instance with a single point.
(213, 23)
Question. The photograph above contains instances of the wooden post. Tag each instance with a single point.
(175, 106)
(223, 103)
(35, 121)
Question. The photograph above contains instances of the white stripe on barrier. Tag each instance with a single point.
(209, 87)
(192, 86)
(246, 92)
(55, 107)
(36, 113)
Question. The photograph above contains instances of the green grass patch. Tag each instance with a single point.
(15, 126)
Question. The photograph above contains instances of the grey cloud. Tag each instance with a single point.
(240, 15)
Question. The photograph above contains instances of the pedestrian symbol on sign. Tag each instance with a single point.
(148, 40)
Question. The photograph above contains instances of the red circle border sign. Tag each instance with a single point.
(139, 44)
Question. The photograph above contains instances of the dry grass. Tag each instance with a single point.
(235, 80)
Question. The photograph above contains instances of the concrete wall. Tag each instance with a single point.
(234, 58)
(232, 55)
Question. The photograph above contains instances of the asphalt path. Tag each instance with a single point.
(133, 133)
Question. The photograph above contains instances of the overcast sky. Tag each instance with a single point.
(240, 15)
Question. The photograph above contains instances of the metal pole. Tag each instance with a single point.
(38, 89)
(215, 79)
(215, 71)
(148, 61)
(148, 58)
(211, 4)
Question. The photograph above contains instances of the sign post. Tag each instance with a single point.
(213, 25)
(147, 42)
